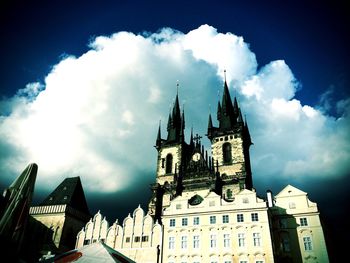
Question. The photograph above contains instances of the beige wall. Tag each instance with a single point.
(245, 203)
(175, 151)
(59, 220)
(296, 218)
(137, 238)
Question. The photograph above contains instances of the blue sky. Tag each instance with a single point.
(84, 85)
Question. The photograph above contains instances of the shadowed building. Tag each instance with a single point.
(57, 220)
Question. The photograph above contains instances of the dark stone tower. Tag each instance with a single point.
(186, 168)
(230, 144)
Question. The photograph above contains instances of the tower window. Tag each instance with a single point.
(169, 163)
(227, 153)
(303, 221)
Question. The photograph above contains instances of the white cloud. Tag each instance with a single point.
(97, 115)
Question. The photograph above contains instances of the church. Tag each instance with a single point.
(204, 207)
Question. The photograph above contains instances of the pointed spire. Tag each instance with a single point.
(169, 122)
(191, 140)
(176, 122)
(246, 133)
(235, 106)
(210, 123)
(219, 112)
(210, 127)
(227, 116)
(182, 134)
(226, 100)
(159, 138)
(240, 119)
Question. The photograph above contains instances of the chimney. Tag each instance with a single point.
(269, 198)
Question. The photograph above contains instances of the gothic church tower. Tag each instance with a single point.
(230, 144)
(187, 168)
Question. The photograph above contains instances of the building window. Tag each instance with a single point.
(229, 194)
(196, 220)
(227, 240)
(285, 244)
(184, 221)
(241, 240)
(171, 242)
(172, 222)
(212, 219)
(212, 203)
(243, 261)
(227, 261)
(245, 200)
(259, 261)
(127, 239)
(163, 162)
(255, 217)
(169, 163)
(86, 242)
(227, 153)
(283, 223)
(303, 221)
(307, 243)
(256, 239)
(137, 239)
(196, 241)
(292, 205)
(212, 241)
(144, 238)
(225, 219)
(240, 218)
(184, 242)
(178, 206)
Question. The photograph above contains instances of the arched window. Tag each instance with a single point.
(169, 163)
(226, 150)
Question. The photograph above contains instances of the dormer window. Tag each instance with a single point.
(227, 152)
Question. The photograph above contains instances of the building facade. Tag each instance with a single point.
(205, 207)
(54, 223)
(139, 238)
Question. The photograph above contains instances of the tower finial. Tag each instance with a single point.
(225, 74)
(177, 87)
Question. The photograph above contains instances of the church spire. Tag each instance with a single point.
(159, 138)
(227, 118)
(210, 126)
(176, 122)
(246, 133)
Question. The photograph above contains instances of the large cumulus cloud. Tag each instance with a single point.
(96, 115)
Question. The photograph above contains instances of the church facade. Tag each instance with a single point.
(204, 208)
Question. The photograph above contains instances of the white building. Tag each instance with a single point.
(139, 238)
(207, 208)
